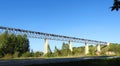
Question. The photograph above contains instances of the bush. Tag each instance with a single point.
(48, 55)
(27, 54)
(8, 56)
(37, 54)
(16, 54)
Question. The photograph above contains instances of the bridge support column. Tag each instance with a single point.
(86, 48)
(98, 49)
(46, 46)
(70, 46)
(108, 44)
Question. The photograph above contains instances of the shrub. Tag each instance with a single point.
(8, 56)
(16, 54)
(27, 54)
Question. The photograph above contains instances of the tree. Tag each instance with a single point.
(115, 48)
(116, 5)
(78, 50)
(57, 52)
(3, 43)
(65, 46)
(92, 50)
(11, 43)
(49, 50)
(22, 44)
(65, 50)
(25, 43)
(49, 53)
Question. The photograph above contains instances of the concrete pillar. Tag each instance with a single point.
(46, 46)
(86, 48)
(70, 46)
(98, 48)
(108, 44)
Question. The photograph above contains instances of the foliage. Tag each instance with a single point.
(16, 54)
(78, 50)
(38, 54)
(114, 48)
(49, 50)
(65, 51)
(116, 5)
(8, 56)
(49, 53)
(57, 52)
(26, 54)
(10, 44)
(92, 50)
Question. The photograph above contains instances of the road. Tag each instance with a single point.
(44, 61)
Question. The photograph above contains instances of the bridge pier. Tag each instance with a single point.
(98, 49)
(46, 46)
(70, 46)
(86, 48)
(108, 44)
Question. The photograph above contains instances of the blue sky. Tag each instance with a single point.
(90, 19)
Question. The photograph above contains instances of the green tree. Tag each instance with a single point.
(49, 50)
(38, 54)
(49, 53)
(65, 51)
(4, 43)
(22, 45)
(78, 50)
(92, 50)
(57, 52)
(116, 5)
(11, 43)
(114, 48)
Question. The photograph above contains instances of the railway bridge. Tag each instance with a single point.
(47, 37)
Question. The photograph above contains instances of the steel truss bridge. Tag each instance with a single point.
(41, 35)
(47, 36)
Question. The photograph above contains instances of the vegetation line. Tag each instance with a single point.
(17, 47)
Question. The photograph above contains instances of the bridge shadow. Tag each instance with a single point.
(83, 61)
(79, 61)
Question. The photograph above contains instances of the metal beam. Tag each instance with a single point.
(41, 35)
